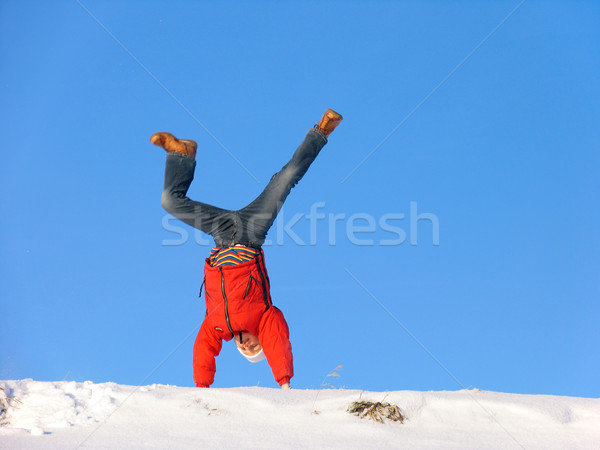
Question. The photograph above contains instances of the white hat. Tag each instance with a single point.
(254, 358)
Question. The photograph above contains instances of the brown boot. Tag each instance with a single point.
(328, 122)
(171, 144)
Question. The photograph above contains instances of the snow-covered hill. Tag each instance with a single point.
(86, 415)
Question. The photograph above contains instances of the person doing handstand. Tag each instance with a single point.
(236, 283)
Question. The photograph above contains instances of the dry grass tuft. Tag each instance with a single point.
(5, 404)
(376, 411)
(333, 374)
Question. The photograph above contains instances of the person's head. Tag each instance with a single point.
(249, 346)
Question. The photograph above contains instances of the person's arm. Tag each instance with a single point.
(274, 337)
(207, 346)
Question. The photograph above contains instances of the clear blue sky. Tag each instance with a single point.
(504, 154)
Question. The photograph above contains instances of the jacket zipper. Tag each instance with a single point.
(264, 287)
(225, 301)
(248, 286)
(201, 286)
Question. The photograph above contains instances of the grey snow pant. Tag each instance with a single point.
(249, 225)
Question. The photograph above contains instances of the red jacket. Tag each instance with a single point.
(237, 299)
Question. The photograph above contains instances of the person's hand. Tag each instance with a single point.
(285, 386)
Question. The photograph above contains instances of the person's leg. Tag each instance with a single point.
(179, 173)
(255, 219)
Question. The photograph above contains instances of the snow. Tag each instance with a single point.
(64, 414)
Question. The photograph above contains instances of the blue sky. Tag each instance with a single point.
(494, 136)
